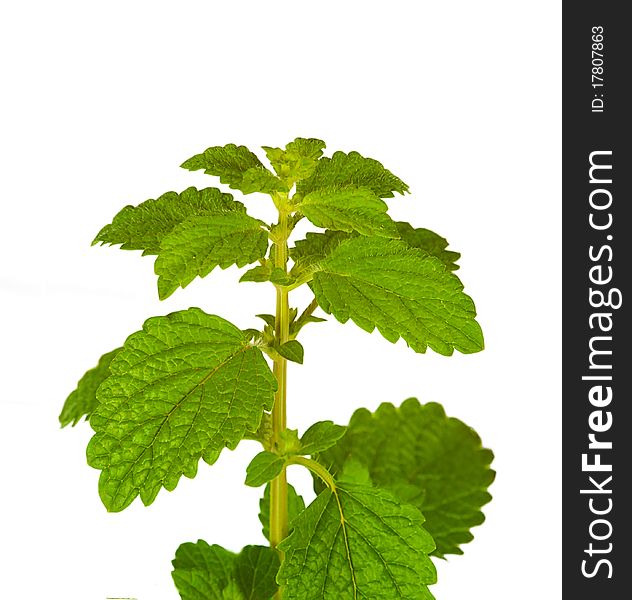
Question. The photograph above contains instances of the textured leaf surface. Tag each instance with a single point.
(320, 436)
(400, 290)
(349, 209)
(143, 227)
(267, 272)
(357, 542)
(259, 179)
(292, 350)
(83, 399)
(298, 160)
(295, 506)
(435, 462)
(352, 169)
(195, 247)
(317, 246)
(430, 242)
(181, 389)
(235, 166)
(205, 572)
(263, 468)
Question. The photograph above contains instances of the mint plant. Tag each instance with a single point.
(394, 487)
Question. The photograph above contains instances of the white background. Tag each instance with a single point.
(100, 104)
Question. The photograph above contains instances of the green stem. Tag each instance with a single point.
(315, 468)
(278, 487)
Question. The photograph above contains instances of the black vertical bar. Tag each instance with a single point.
(597, 340)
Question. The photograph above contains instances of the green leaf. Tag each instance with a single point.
(435, 462)
(183, 388)
(255, 571)
(259, 179)
(268, 319)
(352, 169)
(232, 592)
(194, 248)
(201, 571)
(292, 350)
(204, 572)
(320, 436)
(316, 246)
(263, 468)
(236, 166)
(348, 209)
(430, 242)
(257, 274)
(400, 290)
(357, 542)
(143, 227)
(267, 272)
(295, 505)
(83, 400)
(298, 160)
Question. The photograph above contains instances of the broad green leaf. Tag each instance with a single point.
(235, 166)
(232, 592)
(83, 400)
(402, 291)
(201, 571)
(295, 505)
(204, 572)
(349, 209)
(292, 350)
(143, 227)
(357, 542)
(183, 388)
(432, 461)
(298, 160)
(320, 436)
(352, 169)
(255, 572)
(194, 248)
(263, 468)
(430, 242)
(316, 246)
(353, 471)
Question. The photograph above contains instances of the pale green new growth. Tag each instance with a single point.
(190, 384)
(83, 400)
(204, 572)
(432, 461)
(354, 542)
(297, 161)
(183, 388)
